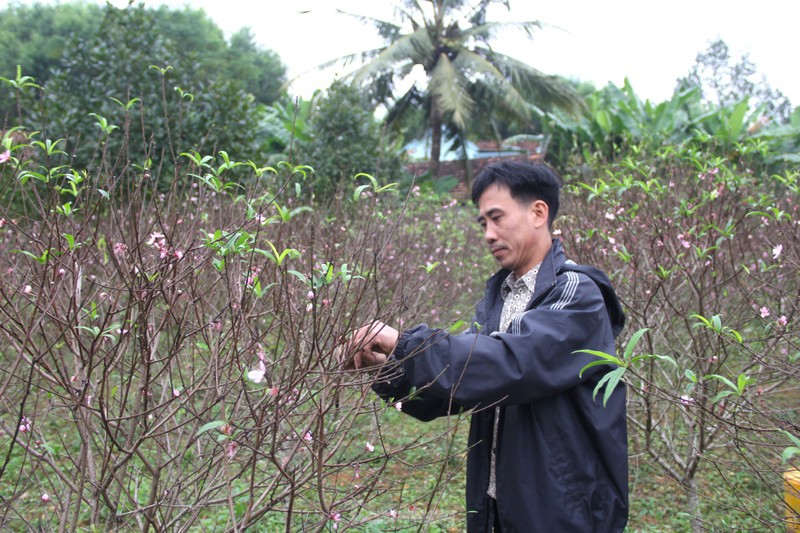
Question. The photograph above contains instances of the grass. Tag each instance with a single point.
(730, 499)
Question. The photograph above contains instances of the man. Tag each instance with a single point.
(544, 455)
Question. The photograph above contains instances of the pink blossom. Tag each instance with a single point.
(25, 425)
(27, 289)
(273, 391)
(336, 517)
(230, 451)
(392, 513)
(310, 295)
(398, 406)
(308, 436)
(764, 312)
(687, 400)
(45, 498)
(155, 238)
(369, 447)
(783, 320)
(5, 156)
(176, 392)
(776, 252)
(309, 307)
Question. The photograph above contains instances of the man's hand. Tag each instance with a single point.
(372, 344)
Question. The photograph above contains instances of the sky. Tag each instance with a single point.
(652, 43)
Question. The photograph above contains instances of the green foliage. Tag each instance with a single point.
(612, 378)
(617, 124)
(695, 238)
(37, 36)
(43, 37)
(260, 71)
(283, 126)
(161, 93)
(148, 87)
(347, 140)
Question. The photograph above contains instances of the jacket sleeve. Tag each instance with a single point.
(535, 359)
(393, 385)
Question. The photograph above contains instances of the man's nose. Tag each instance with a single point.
(489, 234)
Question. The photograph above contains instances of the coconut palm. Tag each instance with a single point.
(464, 77)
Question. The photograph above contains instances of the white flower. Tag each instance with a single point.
(776, 252)
(256, 375)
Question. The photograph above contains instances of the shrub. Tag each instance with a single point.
(169, 358)
(703, 253)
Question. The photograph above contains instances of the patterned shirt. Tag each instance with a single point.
(516, 294)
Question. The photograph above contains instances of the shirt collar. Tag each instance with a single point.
(528, 280)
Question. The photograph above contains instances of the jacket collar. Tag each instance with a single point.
(544, 280)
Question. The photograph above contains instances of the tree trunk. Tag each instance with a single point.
(436, 137)
(693, 505)
(467, 164)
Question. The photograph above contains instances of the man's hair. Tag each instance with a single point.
(525, 181)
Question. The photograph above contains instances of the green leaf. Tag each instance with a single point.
(610, 381)
(788, 453)
(634, 340)
(724, 380)
(592, 364)
(457, 327)
(721, 395)
(216, 424)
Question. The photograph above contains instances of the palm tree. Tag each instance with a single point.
(464, 76)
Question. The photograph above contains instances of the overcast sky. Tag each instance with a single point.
(650, 42)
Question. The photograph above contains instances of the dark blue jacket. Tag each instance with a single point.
(562, 461)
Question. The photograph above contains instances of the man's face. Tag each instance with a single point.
(512, 230)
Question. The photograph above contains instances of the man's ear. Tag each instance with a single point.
(540, 211)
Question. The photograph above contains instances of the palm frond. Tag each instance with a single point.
(532, 83)
(450, 87)
(488, 30)
(411, 48)
(493, 80)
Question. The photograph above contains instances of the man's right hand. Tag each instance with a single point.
(372, 344)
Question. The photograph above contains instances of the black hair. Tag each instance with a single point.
(527, 182)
